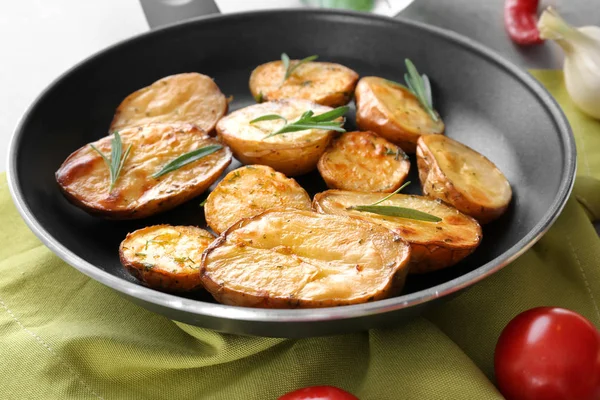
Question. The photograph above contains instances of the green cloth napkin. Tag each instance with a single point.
(64, 336)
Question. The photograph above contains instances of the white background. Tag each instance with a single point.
(40, 39)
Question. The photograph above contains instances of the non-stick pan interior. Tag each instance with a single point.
(485, 104)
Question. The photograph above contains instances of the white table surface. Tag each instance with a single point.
(41, 39)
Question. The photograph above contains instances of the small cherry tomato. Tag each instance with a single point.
(319, 393)
(548, 353)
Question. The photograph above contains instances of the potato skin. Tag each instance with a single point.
(363, 162)
(250, 190)
(84, 177)
(478, 188)
(324, 83)
(189, 98)
(165, 257)
(433, 245)
(293, 154)
(301, 259)
(392, 112)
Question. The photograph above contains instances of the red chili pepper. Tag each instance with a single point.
(520, 21)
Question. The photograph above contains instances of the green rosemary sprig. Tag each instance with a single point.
(420, 86)
(291, 67)
(187, 158)
(395, 211)
(116, 162)
(326, 121)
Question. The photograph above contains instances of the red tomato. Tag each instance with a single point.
(319, 393)
(548, 353)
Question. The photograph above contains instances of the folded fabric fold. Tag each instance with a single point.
(64, 336)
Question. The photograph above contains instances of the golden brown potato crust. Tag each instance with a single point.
(166, 257)
(363, 162)
(434, 245)
(393, 112)
(324, 83)
(460, 176)
(84, 177)
(250, 190)
(189, 98)
(293, 258)
(293, 153)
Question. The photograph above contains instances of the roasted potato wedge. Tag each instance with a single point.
(462, 177)
(324, 83)
(85, 178)
(434, 245)
(250, 190)
(294, 258)
(189, 98)
(166, 257)
(292, 153)
(393, 112)
(363, 162)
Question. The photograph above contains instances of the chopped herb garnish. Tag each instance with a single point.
(203, 202)
(291, 67)
(148, 266)
(308, 120)
(183, 259)
(116, 162)
(235, 176)
(390, 152)
(260, 97)
(187, 158)
(395, 211)
(140, 254)
(420, 86)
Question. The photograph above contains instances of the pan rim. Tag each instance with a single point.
(236, 313)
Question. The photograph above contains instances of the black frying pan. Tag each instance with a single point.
(486, 102)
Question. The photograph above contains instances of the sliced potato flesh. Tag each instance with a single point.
(462, 177)
(434, 245)
(363, 161)
(288, 259)
(393, 112)
(293, 153)
(324, 83)
(250, 190)
(166, 257)
(189, 98)
(85, 178)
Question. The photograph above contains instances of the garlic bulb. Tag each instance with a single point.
(582, 59)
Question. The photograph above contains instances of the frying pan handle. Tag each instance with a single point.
(163, 12)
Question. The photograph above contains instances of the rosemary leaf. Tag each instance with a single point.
(290, 68)
(116, 162)
(420, 86)
(390, 195)
(396, 211)
(326, 121)
(331, 115)
(268, 117)
(187, 158)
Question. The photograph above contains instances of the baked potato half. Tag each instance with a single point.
(393, 112)
(363, 162)
(189, 98)
(434, 245)
(460, 176)
(294, 258)
(85, 178)
(166, 257)
(250, 190)
(324, 83)
(293, 153)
